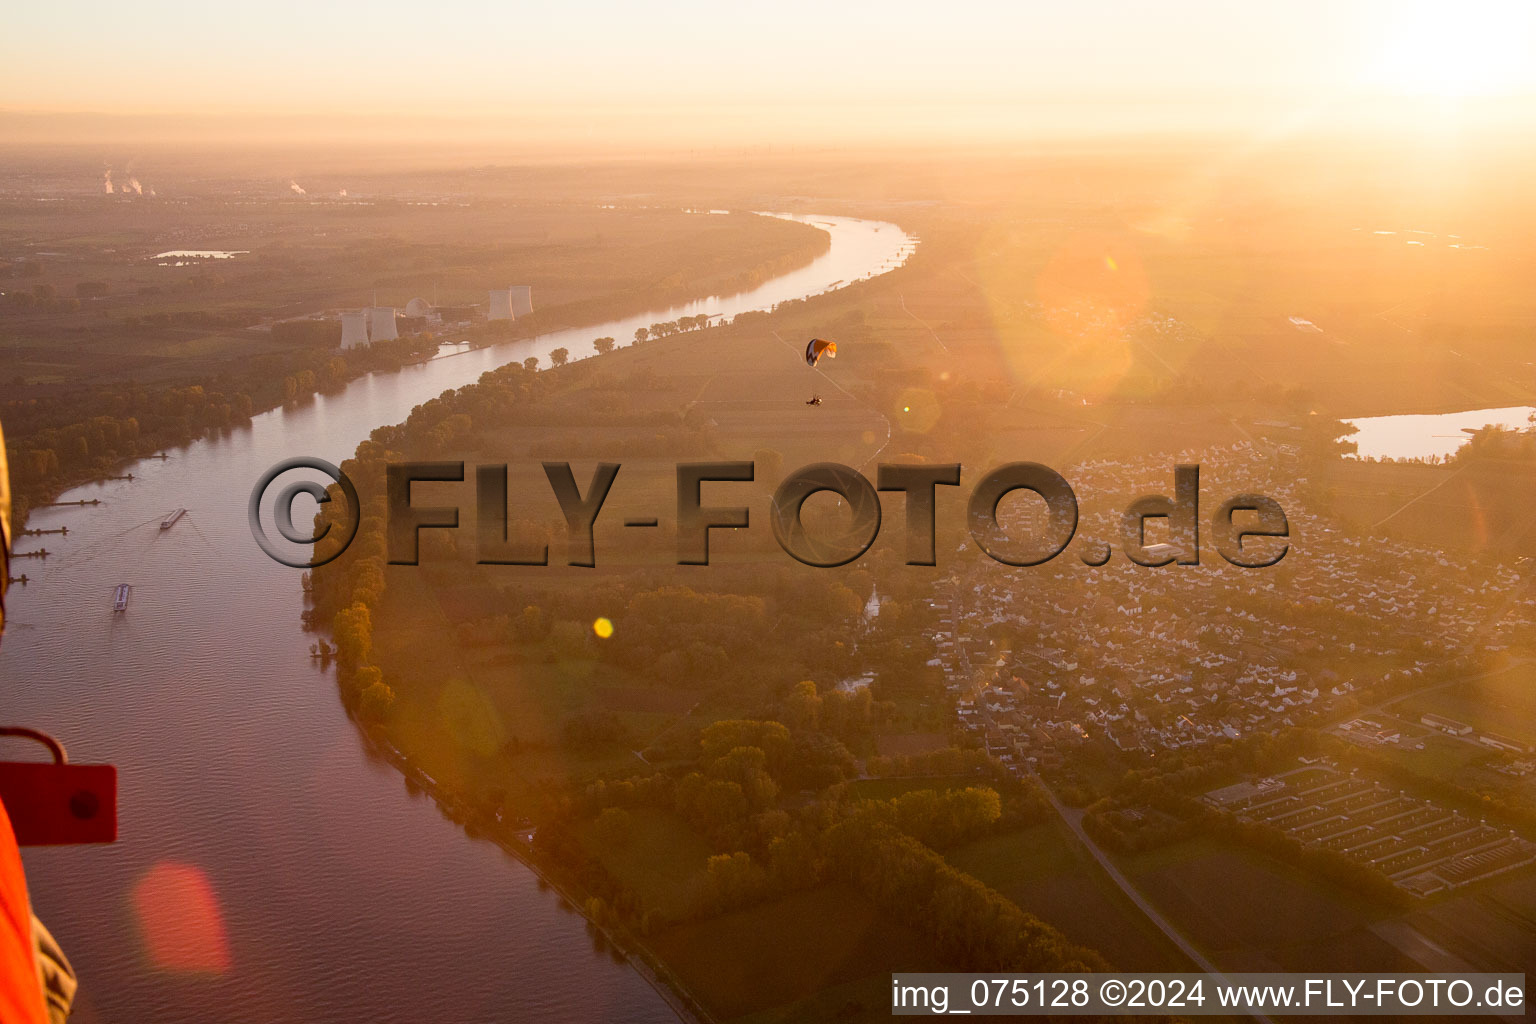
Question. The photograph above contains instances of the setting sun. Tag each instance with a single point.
(1460, 50)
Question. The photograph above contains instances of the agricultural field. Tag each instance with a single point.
(826, 948)
(1503, 702)
(1046, 872)
(1267, 917)
(1488, 925)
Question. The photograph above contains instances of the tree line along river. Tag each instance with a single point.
(269, 868)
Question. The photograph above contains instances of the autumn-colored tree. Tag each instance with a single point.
(374, 696)
(772, 738)
(733, 880)
(747, 768)
(802, 708)
(614, 827)
(352, 630)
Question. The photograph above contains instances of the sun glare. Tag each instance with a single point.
(1459, 50)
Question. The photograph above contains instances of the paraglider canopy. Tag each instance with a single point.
(818, 348)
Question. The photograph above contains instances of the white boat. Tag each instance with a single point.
(170, 520)
(120, 597)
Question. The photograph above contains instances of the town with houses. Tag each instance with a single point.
(1043, 659)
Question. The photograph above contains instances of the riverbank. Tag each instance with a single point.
(516, 840)
(233, 402)
(469, 801)
(341, 900)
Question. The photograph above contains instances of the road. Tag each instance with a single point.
(1074, 820)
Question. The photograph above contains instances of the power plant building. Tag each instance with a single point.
(511, 303)
(381, 323)
(354, 330)
(500, 307)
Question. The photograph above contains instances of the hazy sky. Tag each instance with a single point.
(879, 63)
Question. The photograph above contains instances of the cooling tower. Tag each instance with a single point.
(381, 323)
(354, 329)
(500, 307)
(521, 296)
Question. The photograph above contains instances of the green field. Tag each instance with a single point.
(1046, 872)
(1502, 702)
(1490, 926)
(1251, 913)
(662, 861)
(516, 701)
(1442, 756)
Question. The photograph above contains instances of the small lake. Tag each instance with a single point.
(1429, 436)
(183, 257)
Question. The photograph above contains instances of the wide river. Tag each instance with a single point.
(268, 868)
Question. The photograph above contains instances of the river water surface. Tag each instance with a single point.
(268, 868)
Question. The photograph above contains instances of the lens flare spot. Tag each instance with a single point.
(603, 628)
(919, 410)
(180, 920)
(1092, 285)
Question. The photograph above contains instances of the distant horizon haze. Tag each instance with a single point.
(596, 74)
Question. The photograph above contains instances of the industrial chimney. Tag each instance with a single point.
(354, 329)
(381, 323)
(500, 307)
